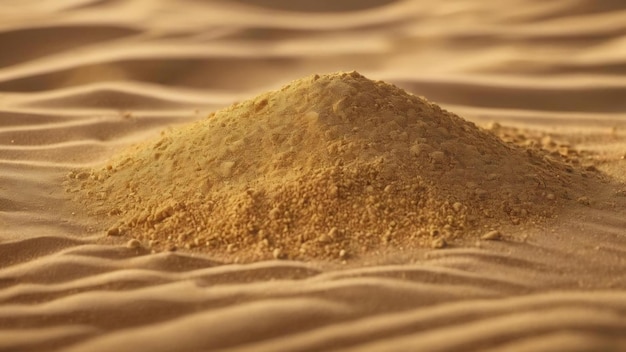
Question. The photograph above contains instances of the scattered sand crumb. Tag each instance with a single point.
(327, 166)
(494, 235)
(133, 244)
(584, 200)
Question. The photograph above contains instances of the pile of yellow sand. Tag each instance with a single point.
(328, 166)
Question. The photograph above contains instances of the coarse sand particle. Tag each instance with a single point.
(328, 167)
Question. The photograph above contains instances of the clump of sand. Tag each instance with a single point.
(329, 166)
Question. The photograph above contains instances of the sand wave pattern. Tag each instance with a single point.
(82, 79)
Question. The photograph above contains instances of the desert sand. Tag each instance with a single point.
(506, 260)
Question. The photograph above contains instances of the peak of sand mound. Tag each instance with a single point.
(328, 166)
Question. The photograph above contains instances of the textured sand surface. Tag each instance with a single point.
(81, 80)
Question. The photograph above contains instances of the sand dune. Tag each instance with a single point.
(81, 80)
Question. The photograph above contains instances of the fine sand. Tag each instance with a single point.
(521, 243)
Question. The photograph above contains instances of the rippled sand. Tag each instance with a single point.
(80, 79)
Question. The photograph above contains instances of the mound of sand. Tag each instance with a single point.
(329, 166)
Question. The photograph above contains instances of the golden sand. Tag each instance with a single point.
(329, 166)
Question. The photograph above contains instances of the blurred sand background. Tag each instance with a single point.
(81, 79)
